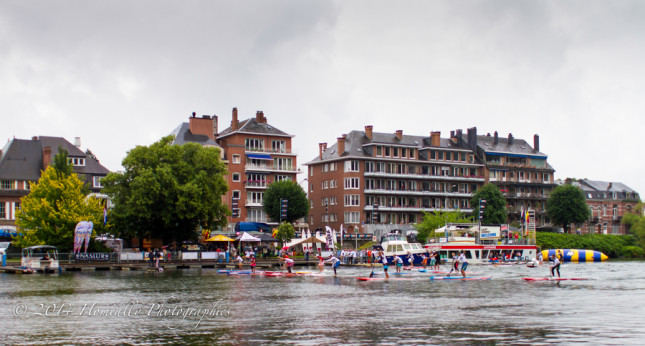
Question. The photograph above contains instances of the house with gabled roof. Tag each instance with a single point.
(608, 202)
(255, 152)
(23, 160)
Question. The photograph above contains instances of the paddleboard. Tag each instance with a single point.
(382, 273)
(552, 279)
(460, 278)
(380, 279)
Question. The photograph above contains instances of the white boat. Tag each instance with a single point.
(396, 245)
(40, 258)
(481, 245)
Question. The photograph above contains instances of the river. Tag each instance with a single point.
(200, 306)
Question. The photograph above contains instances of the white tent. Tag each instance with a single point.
(247, 237)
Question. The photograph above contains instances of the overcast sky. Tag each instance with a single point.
(125, 73)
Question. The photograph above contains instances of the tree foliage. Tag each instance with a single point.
(52, 209)
(494, 208)
(567, 205)
(285, 232)
(432, 221)
(61, 164)
(167, 191)
(636, 223)
(297, 203)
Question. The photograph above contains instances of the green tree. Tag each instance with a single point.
(433, 220)
(567, 205)
(494, 208)
(61, 164)
(168, 191)
(52, 209)
(285, 232)
(297, 203)
(636, 223)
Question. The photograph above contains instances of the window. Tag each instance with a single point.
(76, 161)
(333, 200)
(352, 217)
(351, 183)
(254, 144)
(448, 154)
(325, 184)
(7, 185)
(3, 213)
(279, 177)
(387, 151)
(97, 182)
(412, 153)
(395, 152)
(333, 184)
(404, 153)
(283, 164)
(433, 155)
(439, 155)
(352, 200)
(615, 210)
(236, 194)
(369, 166)
(256, 197)
(379, 151)
(236, 159)
(27, 185)
(615, 229)
(278, 146)
(351, 166)
(236, 177)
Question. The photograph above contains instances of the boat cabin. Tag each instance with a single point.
(42, 258)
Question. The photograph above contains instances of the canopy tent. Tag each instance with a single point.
(220, 237)
(266, 238)
(310, 240)
(247, 237)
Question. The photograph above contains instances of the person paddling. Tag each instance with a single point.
(335, 263)
(555, 266)
(464, 264)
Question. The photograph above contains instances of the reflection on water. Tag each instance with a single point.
(202, 307)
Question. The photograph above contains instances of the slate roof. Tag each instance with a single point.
(595, 185)
(252, 126)
(356, 141)
(22, 159)
(519, 146)
(183, 135)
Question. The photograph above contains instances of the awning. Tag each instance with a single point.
(259, 156)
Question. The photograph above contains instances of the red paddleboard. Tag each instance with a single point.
(360, 278)
(552, 279)
(460, 278)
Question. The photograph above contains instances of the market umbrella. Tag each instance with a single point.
(220, 237)
(247, 237)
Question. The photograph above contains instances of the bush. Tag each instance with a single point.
(611, 245)
(633, 252)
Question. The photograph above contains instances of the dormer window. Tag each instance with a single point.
(76, 161)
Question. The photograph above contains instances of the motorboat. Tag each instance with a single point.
(396, 245)
(40, 258)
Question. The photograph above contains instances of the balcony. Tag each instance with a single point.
(425, 193)
(468, 178)
(256, 184)
(270, 167)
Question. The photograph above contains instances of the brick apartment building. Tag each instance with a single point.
(521, 172)
(607, 202)
(255, 153)
(375, 182)
(21, 162)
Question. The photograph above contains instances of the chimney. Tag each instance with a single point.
(234, 121)
(435, 138)
(321, 149)
(472, 138)
(264, 119)
(536, 142)
(47, 156)
(496, 140)
(77, 142)
(215, 128)
(368, 131)
(341, 145)
(399, 134)
(258, 116)
(609, 186)
(510, 139)
(203, 125)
